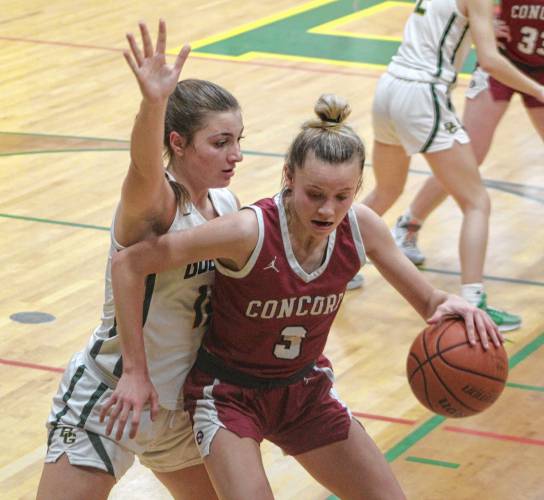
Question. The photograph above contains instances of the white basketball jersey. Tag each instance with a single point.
(435, 44)
(176, 313)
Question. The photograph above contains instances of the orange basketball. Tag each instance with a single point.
(449, 376)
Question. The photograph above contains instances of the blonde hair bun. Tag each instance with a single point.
(331, 108)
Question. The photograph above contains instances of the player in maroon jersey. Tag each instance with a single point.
(282, 269)
(520, 34)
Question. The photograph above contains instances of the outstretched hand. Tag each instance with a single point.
(477, 321)
(156, 79)
(128, 400)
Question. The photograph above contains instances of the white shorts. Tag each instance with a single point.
(165, 445)
(415, 115)
(479, 82)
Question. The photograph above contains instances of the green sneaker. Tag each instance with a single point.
(504, 320)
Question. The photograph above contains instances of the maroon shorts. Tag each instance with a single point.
(501, 92)
(298, 417)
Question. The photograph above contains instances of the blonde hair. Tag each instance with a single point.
(328, 137)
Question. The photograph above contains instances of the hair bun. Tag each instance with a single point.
(332, 108)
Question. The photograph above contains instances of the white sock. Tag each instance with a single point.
(472, 292)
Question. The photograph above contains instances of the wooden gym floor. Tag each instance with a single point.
(67, 103)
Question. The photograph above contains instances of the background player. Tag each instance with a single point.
(412, 113)
(201, 134)
(520, 36)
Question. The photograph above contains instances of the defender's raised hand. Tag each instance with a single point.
(156, 79)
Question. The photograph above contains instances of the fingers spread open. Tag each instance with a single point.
(130, 62)
(135, 422)
(106, 407)
(135, 49)
(113, 417)
(122, 421)
(146, 40)
(161, 37)
(182, 57)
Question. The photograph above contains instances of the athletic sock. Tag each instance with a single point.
(473, 293)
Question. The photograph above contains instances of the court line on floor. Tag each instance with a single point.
(424, 269)
(495, 435)
(53, 151)
(534, 193)
(51, 221)
(394, 420)
(428, 426)
(365, 73)
(525, 387)
(64, 136)
(109, 150)
(415, 436)
(34, 366)
(423, 430)
(428, 461)
(486, 277)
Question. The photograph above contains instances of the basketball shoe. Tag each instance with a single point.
(405, 234)
(504, 320)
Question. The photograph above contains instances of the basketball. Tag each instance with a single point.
(449, 376)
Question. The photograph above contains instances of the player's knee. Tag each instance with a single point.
(478, 200)
(482, 202)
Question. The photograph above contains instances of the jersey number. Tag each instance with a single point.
(202, 307)
(532, 41)
(421, 7)
(290, 345)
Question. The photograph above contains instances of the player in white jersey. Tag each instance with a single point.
(412, 113)
(485, 105)
(199, 124)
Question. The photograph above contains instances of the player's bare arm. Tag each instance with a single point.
(147, 200)
(431, 303)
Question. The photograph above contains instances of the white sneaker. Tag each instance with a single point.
(405, 235)
(356, 282)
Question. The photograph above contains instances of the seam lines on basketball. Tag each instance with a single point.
(448, 349)
(435, 355)
(425, 349)
(462, 403)
(422, 375)
(466, 370)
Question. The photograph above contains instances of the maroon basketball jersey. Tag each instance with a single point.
(271, 318)
(526, 21)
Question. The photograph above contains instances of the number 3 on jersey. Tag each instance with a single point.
(532, 41)
(291, 343)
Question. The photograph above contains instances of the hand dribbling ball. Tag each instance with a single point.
(449, 376)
